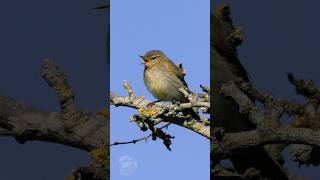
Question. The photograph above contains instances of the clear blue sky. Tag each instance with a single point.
(181, 30)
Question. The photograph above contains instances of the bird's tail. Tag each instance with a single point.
(192, 112)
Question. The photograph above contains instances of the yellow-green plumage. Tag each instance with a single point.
(163, 78)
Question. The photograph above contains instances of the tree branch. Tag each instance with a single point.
(302, 132)
(72, 126)
(139, 139)
(162, 111)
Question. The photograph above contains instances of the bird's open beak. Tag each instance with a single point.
(144, 60)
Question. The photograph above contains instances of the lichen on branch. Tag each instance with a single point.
(151, 114)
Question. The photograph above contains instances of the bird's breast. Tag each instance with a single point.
(162, 85)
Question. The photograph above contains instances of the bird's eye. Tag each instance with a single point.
(154, 58)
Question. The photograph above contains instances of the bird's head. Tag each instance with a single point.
(152, 57)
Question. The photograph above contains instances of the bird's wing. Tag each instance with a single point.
(174, 70)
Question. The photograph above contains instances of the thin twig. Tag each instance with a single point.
(140, 139)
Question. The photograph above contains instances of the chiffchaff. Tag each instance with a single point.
(163, 79)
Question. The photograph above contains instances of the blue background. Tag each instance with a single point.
(180, 29)
(71, 33)
(280, 37)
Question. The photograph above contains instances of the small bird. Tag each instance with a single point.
(163, 79)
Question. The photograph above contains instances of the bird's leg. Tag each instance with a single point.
(153, 103)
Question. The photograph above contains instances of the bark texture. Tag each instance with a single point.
(269, 132)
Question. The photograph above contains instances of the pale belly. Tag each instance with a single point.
(163, 87)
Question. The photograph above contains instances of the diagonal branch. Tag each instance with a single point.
(72, 126)
(167, 112)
